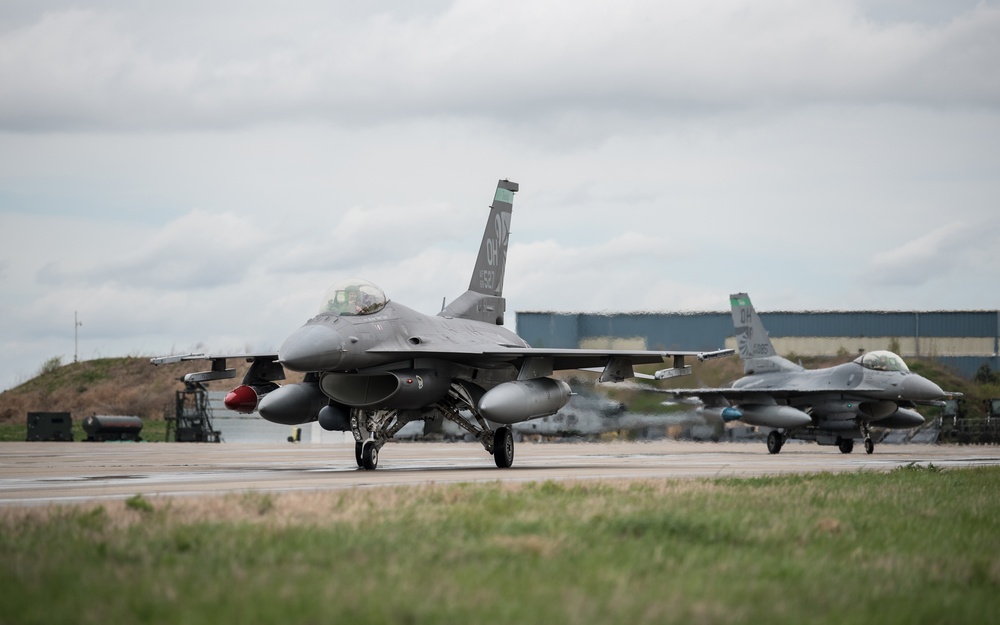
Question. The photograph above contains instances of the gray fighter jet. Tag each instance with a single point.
(372, 365)
(832, 406)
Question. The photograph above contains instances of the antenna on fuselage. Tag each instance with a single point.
(443, 301)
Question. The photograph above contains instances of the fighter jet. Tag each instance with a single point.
(372, 365)
(832, 406)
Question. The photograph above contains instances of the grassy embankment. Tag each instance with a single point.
(104, 386)
(916, 545)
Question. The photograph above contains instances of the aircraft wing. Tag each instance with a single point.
(736, 395)
(614, 365)
(265, 366)
(741, 395)
(166, 360)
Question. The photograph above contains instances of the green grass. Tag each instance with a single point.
(152, 432)
(911, 546)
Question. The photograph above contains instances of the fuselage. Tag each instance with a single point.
(850, 378)
(844, 393)
(329, 342)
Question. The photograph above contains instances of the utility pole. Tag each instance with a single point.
(76, 324)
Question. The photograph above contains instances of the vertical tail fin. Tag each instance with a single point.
(487, 277)
(752, 342)
(484, 300)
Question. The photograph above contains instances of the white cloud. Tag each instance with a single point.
(920, 260)
(939, 256)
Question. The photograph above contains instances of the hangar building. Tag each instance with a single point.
(962, 340)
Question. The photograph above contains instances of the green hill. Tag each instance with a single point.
(105, 386)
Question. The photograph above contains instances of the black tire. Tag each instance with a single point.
(869, 446)
(357, 454)
(774, 441)
(503, 447)
(369, 455)
(846, 445)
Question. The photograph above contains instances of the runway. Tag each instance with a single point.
(64, 473)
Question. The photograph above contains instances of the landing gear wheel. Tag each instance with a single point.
(369, 455)
(774, 441)
(357, 454)
(846, 445)
(503, 447)
(869, 446)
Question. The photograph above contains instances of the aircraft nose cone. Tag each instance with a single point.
(313, 347)
(917, 387)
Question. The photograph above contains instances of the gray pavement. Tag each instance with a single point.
(46, 473)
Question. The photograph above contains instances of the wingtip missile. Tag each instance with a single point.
(719, 353)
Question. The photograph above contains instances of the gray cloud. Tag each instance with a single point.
(197, 251)
(124, 69)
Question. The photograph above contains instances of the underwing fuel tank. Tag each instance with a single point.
(872, 409)
(774, 416)
(513, 402)
(293, 404)
(901, 419)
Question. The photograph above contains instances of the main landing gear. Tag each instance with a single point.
(366, 454)
(869, 443)
(846, 445)
(503, 447)
(776, 438)
(373, 428)
(774, 441)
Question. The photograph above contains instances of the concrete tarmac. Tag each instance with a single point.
(62, 473)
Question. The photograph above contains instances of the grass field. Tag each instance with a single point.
(915, 545)
(152, 431)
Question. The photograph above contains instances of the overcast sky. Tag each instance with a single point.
(193, 175)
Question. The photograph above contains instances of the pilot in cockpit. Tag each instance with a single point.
(354, 302)
(353, 297)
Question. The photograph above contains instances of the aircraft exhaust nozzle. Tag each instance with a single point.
(774, 416)
(293, 404)
(513, 402)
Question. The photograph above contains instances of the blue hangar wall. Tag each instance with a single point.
(962, 340)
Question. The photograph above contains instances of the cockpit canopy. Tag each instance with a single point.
(353, 297)
(882, 360)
